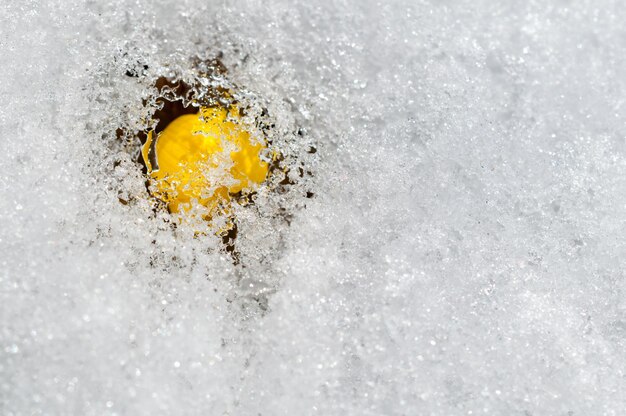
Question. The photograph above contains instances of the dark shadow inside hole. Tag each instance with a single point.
(169, 111)
(172, 109)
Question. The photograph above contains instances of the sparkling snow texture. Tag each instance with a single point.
(463, 253)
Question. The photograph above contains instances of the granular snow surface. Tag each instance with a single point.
(458, 248)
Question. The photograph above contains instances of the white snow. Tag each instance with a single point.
(463, 254)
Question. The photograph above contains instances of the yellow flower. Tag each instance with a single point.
(205, 157)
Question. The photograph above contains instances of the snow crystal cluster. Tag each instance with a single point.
(456, 244)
